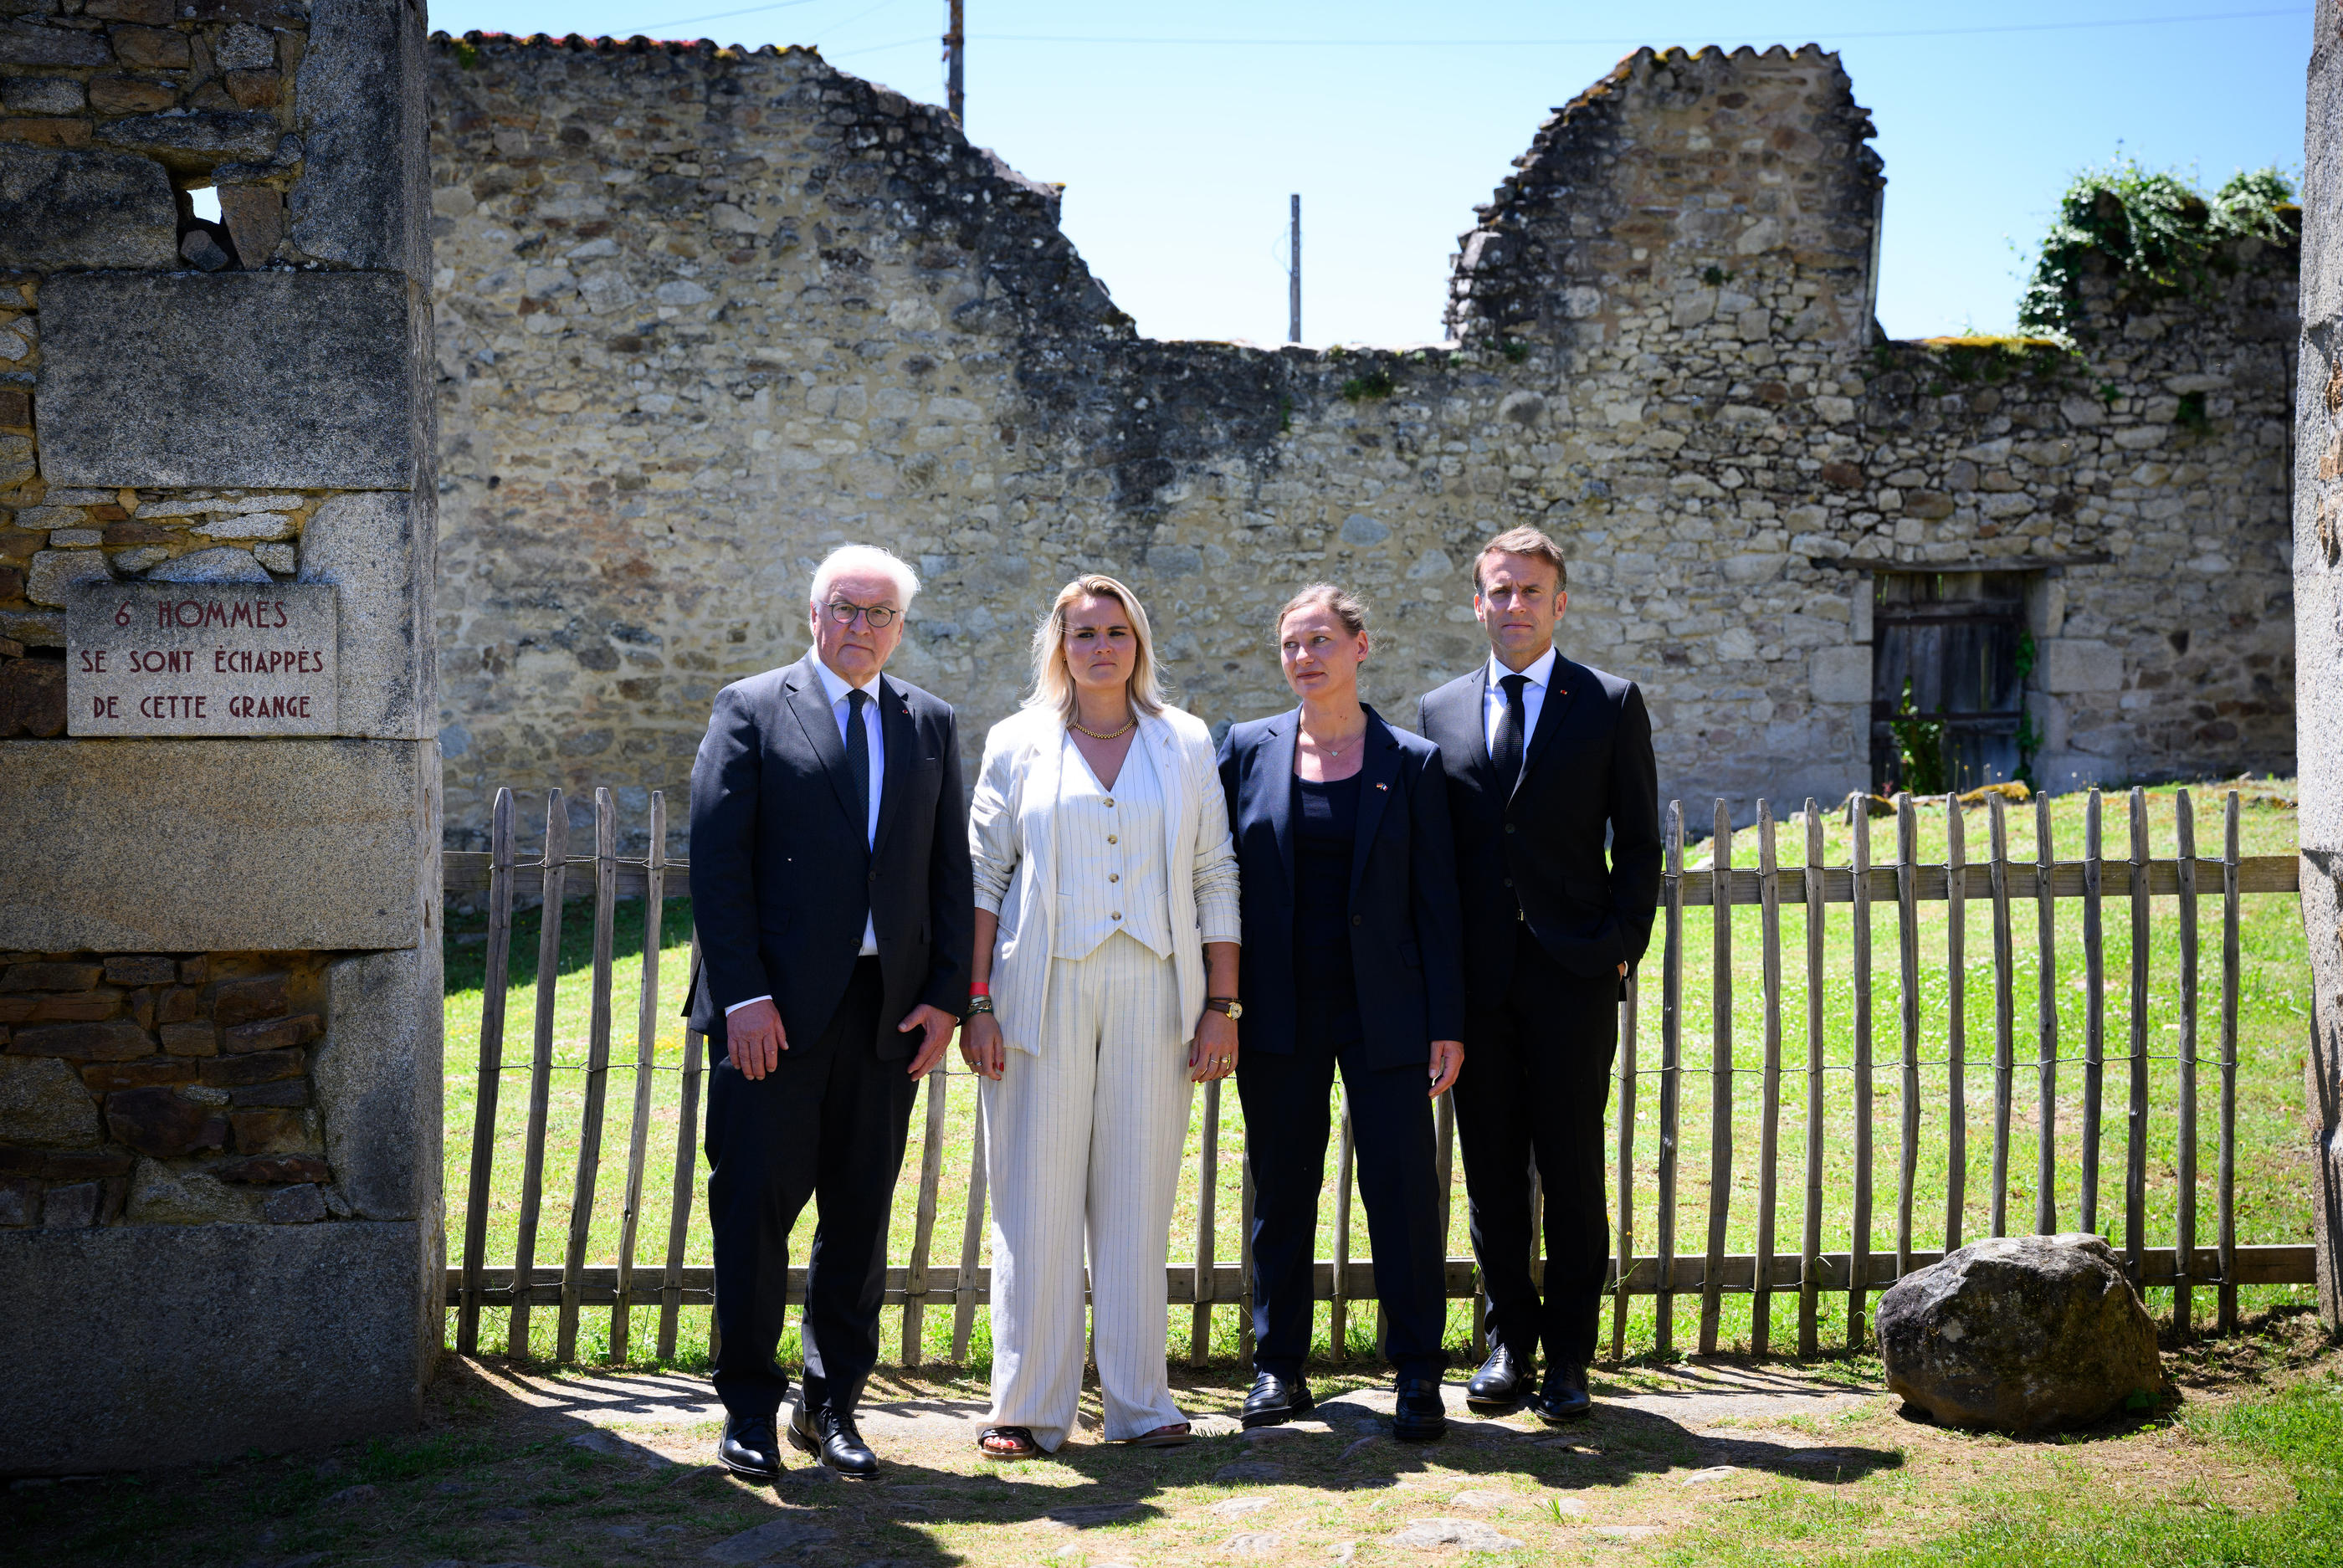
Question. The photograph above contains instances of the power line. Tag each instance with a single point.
(1624, 38)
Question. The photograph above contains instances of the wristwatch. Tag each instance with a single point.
(977, 1004)
(1227, 1004)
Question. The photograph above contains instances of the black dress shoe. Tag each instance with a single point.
(1563, 1396)
(1499, 1383)
(830, 1436)
(1274, 1400)
(1418, 1415)
(749, 1447)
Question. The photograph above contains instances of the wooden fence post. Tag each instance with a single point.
(1858, 1275)
(2005, 963)
(1720, 1073)
(2184, 1244)
(491, 1072)
(1671, 1089)
(646, 1062)
(1810, 1241)
(1957, 1109)
(2046, 931)
(598, 1070)
(1769, 899)
(2095, 1009)
(540, 1070)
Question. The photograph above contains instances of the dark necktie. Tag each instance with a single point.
(1510, 727)
(858, 761)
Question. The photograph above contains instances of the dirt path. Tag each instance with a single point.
(518, 1468)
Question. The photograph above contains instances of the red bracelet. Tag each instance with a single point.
(979, 988)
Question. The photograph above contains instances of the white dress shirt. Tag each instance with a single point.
(835, 686)
(1493, 704)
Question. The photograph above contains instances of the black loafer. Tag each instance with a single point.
(749, 1447)
(830, 1436)
(1500, 1383)
(1418, 1415)
(1563, 1396)
(1274, 1400)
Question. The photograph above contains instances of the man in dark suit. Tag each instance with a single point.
(831, 893)
(1545, 759)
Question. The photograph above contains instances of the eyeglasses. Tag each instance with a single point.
(877, 617)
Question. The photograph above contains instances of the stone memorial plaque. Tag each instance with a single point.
(202, 659)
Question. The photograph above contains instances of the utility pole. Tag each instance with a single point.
(1293, 271)
(955, 63)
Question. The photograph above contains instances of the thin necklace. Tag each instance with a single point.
(1128, 726)
(1333, 753)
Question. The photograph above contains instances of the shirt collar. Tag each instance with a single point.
(834, 685)
(1541, 672)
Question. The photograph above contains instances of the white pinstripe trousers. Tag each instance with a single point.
(1086, 1137)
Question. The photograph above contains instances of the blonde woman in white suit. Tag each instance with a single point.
(1104, 990)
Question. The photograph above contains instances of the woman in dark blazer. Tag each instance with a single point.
(1353, 954)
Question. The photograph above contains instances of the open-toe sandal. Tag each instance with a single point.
(1022, 1436)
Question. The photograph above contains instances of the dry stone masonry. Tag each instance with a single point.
(2319, 630)
(703, 313)
(219, 971)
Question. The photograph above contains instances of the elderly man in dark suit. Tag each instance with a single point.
(832, 892)
(1546, 759)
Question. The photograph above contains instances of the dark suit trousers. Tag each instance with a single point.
(828, 1123)
(1285, 1105)
(1536, 1080)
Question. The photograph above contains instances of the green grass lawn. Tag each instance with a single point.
(2272, 1204)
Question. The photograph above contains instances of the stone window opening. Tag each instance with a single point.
(1951, 643)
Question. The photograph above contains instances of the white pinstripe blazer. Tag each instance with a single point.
(1013, 838)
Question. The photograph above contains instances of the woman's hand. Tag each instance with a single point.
(1447, 1062)
(982, 1047)
(1214, 1053)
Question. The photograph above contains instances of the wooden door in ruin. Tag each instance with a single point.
(1946, 694)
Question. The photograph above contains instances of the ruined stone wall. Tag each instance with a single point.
(219, 961)
(2319, 630)
(704, 313)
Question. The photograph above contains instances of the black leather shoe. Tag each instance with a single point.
(1500, 1381)
(1274, 1400)
(750, 1448)
(830, 1436)
(1419, 1416)
(1563, 1396)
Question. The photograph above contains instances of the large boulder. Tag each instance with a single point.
(2023, 1333)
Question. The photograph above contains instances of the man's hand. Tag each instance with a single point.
(939, 1026)
(1447, 1062)
(754, 1040)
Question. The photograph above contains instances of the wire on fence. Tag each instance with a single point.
(1893, 890)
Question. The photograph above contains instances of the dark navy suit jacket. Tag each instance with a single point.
(783, 871)
(1536, 852)
(1406, 932)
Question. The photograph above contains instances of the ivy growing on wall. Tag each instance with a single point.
(2158, 232)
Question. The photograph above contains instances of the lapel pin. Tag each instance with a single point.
(1383, 785)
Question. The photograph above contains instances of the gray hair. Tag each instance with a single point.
(866, 558)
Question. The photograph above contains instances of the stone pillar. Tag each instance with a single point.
(2318, 634)
(220, 1220)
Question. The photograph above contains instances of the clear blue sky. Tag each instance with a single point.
(1179, 130)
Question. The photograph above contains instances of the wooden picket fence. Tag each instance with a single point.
(1865, 1267)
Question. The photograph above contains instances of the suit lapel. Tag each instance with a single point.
(1483, 763)
(812, 710)
(1378, 771)
(900, 742)
(1562, 686)
(1276, 764)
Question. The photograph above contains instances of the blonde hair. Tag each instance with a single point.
(1053, 684)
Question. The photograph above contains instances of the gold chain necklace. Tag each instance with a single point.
(1133, 723)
